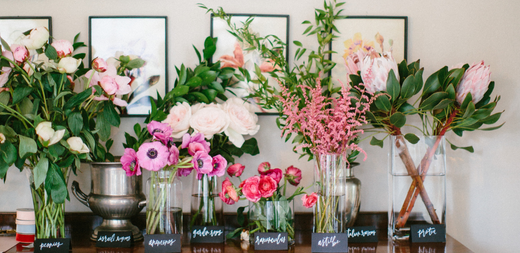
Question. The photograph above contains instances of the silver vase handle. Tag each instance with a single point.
(82, 197)
(141, 204)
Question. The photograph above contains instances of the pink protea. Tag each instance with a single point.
(264, 167)
(293, 175)
(236, 170)
(219, 166)
(354, 62)
(476, 81)
(130, 162)
(153, 156)
(375, 69)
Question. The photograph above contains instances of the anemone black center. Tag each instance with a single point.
(152, 153)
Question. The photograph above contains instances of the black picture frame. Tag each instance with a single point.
(144, 36)
(390, 27)
(11, 27)
(219, 29)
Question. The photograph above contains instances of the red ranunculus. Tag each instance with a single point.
(250, 189)
(264, 167)
(293, 175)
(228, 194)
(235, 170)
(267, 186)
(309, 200)
(276, 174)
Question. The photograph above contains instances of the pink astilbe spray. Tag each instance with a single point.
(328, 124)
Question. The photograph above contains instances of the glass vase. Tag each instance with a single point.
(272, 216)
(352, 196)
(329, 184)
(49, 215)
(417, 184)
(164, 205)
(206, 205)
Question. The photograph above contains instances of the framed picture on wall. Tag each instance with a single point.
(383, 34)
(136, 36)
(12, 28)
(227, 43)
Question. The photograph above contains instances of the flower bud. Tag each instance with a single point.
(475, 81)
(63, 48)
(76, 145)
(68, 65)
(37, 38)
(20, 53)
(46, 134)
(99, 65)
(2, 138)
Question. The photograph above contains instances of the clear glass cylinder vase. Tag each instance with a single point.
(206, 205)
(417, 184)
(272, 216)
(329, 184)
(164, 204)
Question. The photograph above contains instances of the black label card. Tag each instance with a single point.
(428, 233)
(122, 239)
(162, 243)
(362, 234)
(329, 242)
(271, 241)
(207, 234)
(59, 245)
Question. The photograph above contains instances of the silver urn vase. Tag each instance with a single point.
(113, 196)
(353, 195)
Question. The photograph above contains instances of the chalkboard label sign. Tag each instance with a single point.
(162, 243)
(329, 242)
(59, 245)
(271, 241)
(122, 239)
(207, 234)
(362, 234)
(428, 233)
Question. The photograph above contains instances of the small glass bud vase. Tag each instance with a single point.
(272, 216)
(206, 205)
(164, 205)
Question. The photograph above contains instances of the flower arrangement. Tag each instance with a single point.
(270, 208)
(48, 127)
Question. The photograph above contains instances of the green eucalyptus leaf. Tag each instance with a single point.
(412, 138)
(75, 122)
(376, 142)
(383, 103)
(398, 119)
(27, 146)
(392, 86)
(40, 171)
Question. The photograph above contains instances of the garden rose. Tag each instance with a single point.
(37, 38)
(47, 135)
(63, 48)
(236, 170)
(179, 119)
(276, 174)
(267, 186)
(242, 120)
(219, 166)
(309, 200)
(99, 65)
(293, 175)
(250, 188)
(476, 81)
(130, 163)
(68, 65)
(375, 69)
(77, 146)
(209, 120)
(20, 53)
(153, 156)
(264, 167)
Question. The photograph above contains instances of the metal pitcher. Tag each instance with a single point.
(114, 196)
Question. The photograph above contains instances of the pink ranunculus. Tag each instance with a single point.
(179, 119)
(202, 163)
(219, 166)
(228, 194)
(63, 48)
(236, 170)
(130, 163)
(293, 175)
(99, 65)
(153, 156)
(250, 189)
(173, 158)
(267, 186)
(264, 167)
(476, 81)
(276, 174)
(109, 85)
(375, 69)
(159, 131)
(309, 201)
(20, 53)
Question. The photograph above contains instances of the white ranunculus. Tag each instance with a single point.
(68, 65)
(242, 120)
(76, 145)
(179, 119)
(36, 38)
(209, 120)
(2, 138)
(47, 135)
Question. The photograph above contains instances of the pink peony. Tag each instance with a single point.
(293, 175)
(276, 174)
(20, 53)
(476, 81)
(219, 166)
(309, 200)
(99, 65)
(109, 85)
(228, 194)
(173, 158)
(202, 163)
(4, 75)
(267, 186)
(264, 167)
(236, 170)
(159, 131)
(129, 162)
(375, 69)
(250, 188)
(153, 156)
(63, 48)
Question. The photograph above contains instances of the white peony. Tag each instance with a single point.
(47, 135)
(68, 65)
(2, 138)
(76, 145)
(242, 120)
(209, 120)
(36, 38)
(179, 119)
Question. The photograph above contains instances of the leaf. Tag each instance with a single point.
(103, 127)
(8, 152)
(75, 121)
(383, 103)
(21, 93)
(491, 119)
(217, 86)
(4, 167)
(375, 142)
(412, 138)
(208, 77)
(226, 73)
(111, 114)
(398, 119)
(468, 148)
(408, 88)
(27, 145)
(433, 100)
(470, 109)
(200, 97)
(55, 184)
(418, 81)
(432, 83)
(135, 63)
(194, 82)
(78, 99)
(51, 53)
(407, 109)
(443, 104)
(26, 107)
(211, 94)
(40, 171)
(250, 146)
(392, 85)
(180, 90)
(451, 92)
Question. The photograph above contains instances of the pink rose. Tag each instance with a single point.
(236, 170)
(219, 166)
(293, 175)
(20, 53)
(475, 81)
(267, 186)
(179, 119)
(250, 188)
(309, 200)
(242, 120)
(63, 48)
(209, 120)
(276, 174)
(99, 65)
(264, 167)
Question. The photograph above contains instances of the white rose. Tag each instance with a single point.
(36, 38)
(76, 145)
(242, 120)
(209, 120)
(68, 65)
(47, 135)
(179, 119)
(2, 138)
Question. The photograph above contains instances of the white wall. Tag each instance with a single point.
(483, 193)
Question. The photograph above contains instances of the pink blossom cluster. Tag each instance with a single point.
(328, 124)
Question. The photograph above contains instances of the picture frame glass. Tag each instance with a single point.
(12, 28)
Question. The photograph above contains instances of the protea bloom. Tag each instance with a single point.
(374, 71)
(153, 156)
(475, 81)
